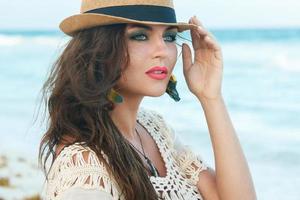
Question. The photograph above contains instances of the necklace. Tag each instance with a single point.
(152, 168)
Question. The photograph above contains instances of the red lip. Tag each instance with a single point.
(158, 68)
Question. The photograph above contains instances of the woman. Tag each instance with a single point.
(105, 146)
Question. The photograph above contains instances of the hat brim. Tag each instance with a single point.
(79, 22)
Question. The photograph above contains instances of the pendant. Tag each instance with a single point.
(154, 171)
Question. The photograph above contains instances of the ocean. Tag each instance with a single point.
(260, 88)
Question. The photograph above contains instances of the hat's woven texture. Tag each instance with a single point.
(93, 4)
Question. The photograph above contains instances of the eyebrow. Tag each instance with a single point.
(149, 27)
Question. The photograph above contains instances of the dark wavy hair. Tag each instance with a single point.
(75, 97)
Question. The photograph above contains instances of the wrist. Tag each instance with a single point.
(210, 101)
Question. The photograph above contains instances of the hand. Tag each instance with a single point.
(204, 75)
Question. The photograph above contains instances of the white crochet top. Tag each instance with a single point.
(71, 172)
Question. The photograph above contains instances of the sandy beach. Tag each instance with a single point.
(20, 178)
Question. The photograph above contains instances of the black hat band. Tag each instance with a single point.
(140, 12)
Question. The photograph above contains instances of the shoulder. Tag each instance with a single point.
(74, 157)
(78, 166)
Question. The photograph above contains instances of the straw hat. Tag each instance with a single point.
(104, 12)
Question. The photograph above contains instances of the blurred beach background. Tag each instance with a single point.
(261, 49)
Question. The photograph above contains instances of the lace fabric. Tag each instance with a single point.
(70, 170)
(190, 163)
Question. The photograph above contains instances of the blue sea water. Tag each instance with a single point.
(260, 87)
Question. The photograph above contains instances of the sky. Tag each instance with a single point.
(47, 14)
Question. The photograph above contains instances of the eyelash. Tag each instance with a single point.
(135, 36)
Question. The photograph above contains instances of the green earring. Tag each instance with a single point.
(114, 96)
(171, 89)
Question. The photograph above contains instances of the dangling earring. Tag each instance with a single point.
(114, 96)
(171, 89)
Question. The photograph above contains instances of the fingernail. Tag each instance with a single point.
(184, 44)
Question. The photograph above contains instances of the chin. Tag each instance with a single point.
(158, 92)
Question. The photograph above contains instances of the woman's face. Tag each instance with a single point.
(148, 46)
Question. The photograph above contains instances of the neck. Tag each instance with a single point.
(124, 116)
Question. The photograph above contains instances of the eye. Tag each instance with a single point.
(171, 37)
(138, 36)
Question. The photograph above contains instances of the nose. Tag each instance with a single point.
(160, 48)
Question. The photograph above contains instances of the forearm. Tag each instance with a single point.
(233, 176)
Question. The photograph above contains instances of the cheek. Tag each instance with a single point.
(138, 55)
(137, 65)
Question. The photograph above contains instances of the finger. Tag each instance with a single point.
(208, 37)
(186, 57)
(203, 32)
(197, 22)
(211, 43)
(196, 37)
(215, 47)
(201, 29)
